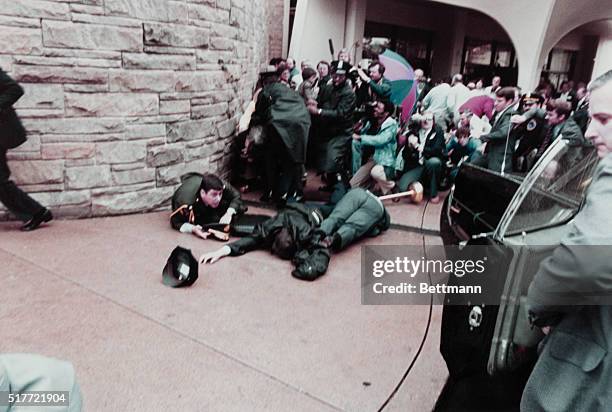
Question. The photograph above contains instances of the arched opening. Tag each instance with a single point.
(444, 39)
(580, 55)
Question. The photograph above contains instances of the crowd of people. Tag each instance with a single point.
(338, 120)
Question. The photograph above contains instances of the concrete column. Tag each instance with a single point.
(530, 67)
(443, 46)
(315, 22)
(286, 6)
(355, 27)
(457, 40)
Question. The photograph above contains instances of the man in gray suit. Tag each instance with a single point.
(571, 294)
(12, 134)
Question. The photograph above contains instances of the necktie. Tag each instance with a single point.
(494, 118)
(545, 141)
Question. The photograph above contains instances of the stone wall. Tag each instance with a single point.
(124, 96)
(276, 16)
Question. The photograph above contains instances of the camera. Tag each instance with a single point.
(353, 75)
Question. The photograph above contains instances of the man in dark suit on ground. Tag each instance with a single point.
(13, 134)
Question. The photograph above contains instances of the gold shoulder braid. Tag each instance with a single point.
(182, 210)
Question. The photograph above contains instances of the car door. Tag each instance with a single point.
(535, 221)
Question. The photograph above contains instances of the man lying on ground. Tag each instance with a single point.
(301, 234)
(201, 200)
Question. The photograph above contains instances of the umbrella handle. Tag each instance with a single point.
(396, 195)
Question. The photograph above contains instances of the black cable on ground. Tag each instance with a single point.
(422, 344)
(424, 232)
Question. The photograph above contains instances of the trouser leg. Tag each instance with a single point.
(17, 201)
(271, 164)
(453, 174)
(286, 173)
(408, 178)
(337, 154)
(360, 221)
(291, 179)
(431, 174)
(362, 175)
(351, 201)
(355, 156)
(379, 174)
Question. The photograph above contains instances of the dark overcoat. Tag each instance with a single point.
(12, 132)
(283, 108)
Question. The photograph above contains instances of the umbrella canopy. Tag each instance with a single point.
(401, 75)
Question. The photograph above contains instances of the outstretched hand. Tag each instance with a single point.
(212, 257)
(199, 232)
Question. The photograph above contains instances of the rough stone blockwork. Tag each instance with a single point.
(276, 14)
(124, 96)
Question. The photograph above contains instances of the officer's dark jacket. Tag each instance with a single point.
(12, 132)
(337, 107)
(187, 207)
(283, 109)
(530, 135)
(311, 259)
(302, 220)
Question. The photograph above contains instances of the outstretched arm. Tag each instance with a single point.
(212, 257)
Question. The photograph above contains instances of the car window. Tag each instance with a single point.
(558, 190)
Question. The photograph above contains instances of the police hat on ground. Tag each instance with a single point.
(181, 268)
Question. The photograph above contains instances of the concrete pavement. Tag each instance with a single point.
(245, 336)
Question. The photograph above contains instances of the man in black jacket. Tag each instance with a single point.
(291, 234)
(334, 118)
(13, 134)
(283, 113)
(300, 233)
(423, 157)
(528, 134)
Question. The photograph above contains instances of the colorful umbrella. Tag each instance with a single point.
(401, 75)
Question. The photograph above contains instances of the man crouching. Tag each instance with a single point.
(203, 200)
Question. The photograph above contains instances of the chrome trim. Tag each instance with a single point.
(525, 188)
